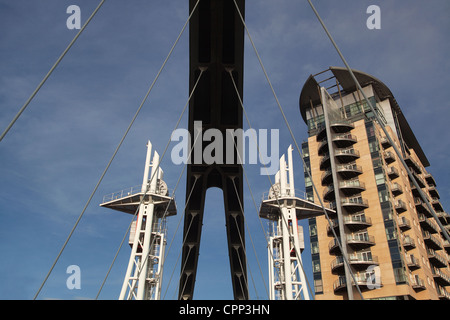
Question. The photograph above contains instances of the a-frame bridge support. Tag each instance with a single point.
(216, 46)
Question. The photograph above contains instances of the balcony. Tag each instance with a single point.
(396, 189)
(360, 240)
(408, 243)
(417, 284)
(437, 206)
(389, 157)
(418, 179)
(421, 207)
(360, 261)
(328, 193)
(325, 161)
(357, 221)
(403, 223)
(353, 222)
(323, 147)
(430, 179)
(442, 293)
(385, 143)
(348, 171)
(447, 246)
(327, 177)
(342, 126)
(436, 259)
(354, 204)
(333, 246)
(400, 206)
(431, 241)
(441, 277)
(412, 262)
(351, 187)
(392, 172)
(346, 155)
(344, 140)
(444, 217)
(363, 281)
(413, 165)
(321, 133)
(433, 192)
(427, 224)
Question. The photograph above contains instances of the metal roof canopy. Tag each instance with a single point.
(311, 94)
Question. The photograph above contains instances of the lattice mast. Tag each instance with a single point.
(286, 275)
(147, 233)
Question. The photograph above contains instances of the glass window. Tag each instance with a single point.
(383, 195)
(318, 286)
(379, 178)
(316, 265)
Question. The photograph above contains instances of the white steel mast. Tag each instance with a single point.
(147, 234)
(284, 209)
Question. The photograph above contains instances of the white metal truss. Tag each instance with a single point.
(147, 233)
(286, 275)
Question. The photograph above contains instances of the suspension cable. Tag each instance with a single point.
(115, 153)
(251, 239)
(147, 187)
(271, 184)
(381, 123)
(51, 71)
(296, 145)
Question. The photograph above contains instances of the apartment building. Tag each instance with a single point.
(383, 237)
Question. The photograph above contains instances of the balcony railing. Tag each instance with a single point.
(389, 157)
(363, 281)
(417, 283)
(393, 172)
(431, 241)
(347, 152)
(344, 140)
(408, 243)
(436, 258)
(360, 240)
(396, 189)
(356, 203)
(440, 276)
(442, 293)
(400, 206)
(412, 262)
(349, 170)
(356, 260)
(385, 142)
(403, 223)
(427, 224)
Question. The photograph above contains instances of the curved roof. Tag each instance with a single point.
(310, 94)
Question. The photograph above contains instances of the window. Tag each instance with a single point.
(373, 146)
(312, 229)
(318, 286)
(308, 182)
(316, 265)
(383, 195)
(314, 248)
(379, 178)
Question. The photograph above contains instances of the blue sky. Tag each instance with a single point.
(54, 155)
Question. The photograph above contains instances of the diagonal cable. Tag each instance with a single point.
(50, 72)
(400, 156)
(296, 144)
(173, 192)
(115, 153)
